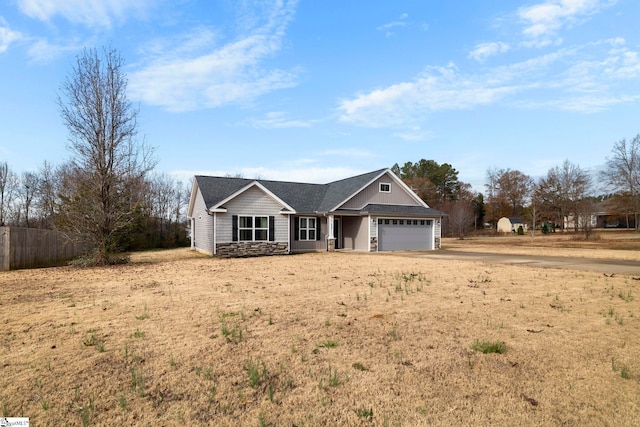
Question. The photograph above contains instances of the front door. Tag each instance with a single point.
(337, 233)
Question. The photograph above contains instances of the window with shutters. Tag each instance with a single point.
(253, 228)
(307, 228)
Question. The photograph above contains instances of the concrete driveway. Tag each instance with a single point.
(608, 266)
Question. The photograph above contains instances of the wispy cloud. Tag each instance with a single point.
(586, 79)
(279, 120)
(348, 152)
(482, 51)
(91, 13)
(436, 88)
(42, 50)
(542, 21)
(7, 36)
(387, 28)
(318, 175)
(415, 134)
(181, 80)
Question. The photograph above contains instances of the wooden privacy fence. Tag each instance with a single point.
(33, 247)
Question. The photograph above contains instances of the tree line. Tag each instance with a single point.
(566, 197)
(45, 199)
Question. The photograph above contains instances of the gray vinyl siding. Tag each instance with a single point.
(372, 194)
(355, 232)
(310, 245)
(253, 202)
(203, 224)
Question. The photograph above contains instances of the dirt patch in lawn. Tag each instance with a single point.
(175, 338)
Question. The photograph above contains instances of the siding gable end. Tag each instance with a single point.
(399, 194)
(255, 184)
(252, 202)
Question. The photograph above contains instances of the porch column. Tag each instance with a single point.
(331, 239)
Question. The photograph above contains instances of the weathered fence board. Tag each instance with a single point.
(33, 247)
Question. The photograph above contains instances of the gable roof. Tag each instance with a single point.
(340, 191)
(301, 197)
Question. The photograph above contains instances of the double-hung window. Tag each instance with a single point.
(307, 229)
(253, 228)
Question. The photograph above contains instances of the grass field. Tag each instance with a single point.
(349, 339)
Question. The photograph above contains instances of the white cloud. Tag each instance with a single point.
(404, 104)
(7, 36)
(483, 51)
(41, 50)
(312, 175)
(400, 22)
(91, 13)
(181, 80)
(586, 79)
(543, 20)
(414, 135)
(317, 175)
(279, 120)
(348, 152)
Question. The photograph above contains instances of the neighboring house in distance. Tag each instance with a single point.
(511, 224)
(371, 212)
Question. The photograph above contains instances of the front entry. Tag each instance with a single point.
(337, 233)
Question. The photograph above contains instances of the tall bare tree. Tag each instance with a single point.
(109, 164)
(564, 192)
(8, 190)
(47, 196)
(29, 189)
(622, 175)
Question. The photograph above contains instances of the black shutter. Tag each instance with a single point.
(234, 228)
(296, 228)
(318, 221)
(272, 228)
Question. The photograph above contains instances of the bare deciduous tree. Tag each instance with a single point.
(623, 175)
(8, 189)
(562, 193)
(46, 200)
(29, 190)
(108, 165)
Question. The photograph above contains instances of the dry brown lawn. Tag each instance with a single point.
(340, 339)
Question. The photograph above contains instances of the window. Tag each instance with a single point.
(385, 187)
(307, 230)
(253, 228)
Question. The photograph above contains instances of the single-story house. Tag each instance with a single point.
(371, 212)
(511, 224)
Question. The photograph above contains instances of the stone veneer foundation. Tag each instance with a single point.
(246, 249)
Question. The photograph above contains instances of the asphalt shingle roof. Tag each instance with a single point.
(304, 198)
(400, 210)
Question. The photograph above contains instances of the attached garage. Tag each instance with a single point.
(395, 234)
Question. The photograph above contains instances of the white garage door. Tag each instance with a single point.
(395, 234)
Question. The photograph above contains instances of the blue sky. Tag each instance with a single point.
(314, 91)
